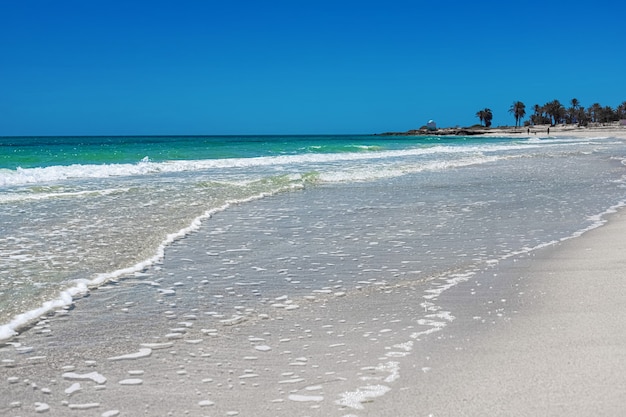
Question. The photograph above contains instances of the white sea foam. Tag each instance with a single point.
(142, 353)
(91, 376)
(41, 407)
(368, 173)
(82, 286)
(75, 387)
(21, 176)
(131, 381)
(65, 299)
(15, 198)
(355, 399)
(305, 398)
(85, 406)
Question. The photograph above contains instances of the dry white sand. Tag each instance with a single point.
(615, 132)
(561, 131)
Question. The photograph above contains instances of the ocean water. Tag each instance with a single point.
(274, 215)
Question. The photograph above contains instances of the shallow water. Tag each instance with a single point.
(395, 209)
(315, 299)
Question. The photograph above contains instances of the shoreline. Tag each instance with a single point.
(558, 131)
(535, 335)
(561, 352)
(156, 346)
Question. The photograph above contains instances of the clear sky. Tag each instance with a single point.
(92, 67)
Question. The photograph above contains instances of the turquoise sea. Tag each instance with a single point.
(77, 213)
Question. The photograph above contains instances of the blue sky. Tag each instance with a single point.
(297, 67)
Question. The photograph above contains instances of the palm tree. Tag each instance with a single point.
(608, 114)
(594, 112)
(621, 111)
(573, 112)
(518, 109)
(555, 111)
(485, 115)
(538, 118)
(488, 116)
(481, 116)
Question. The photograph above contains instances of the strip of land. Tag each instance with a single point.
(612, 130)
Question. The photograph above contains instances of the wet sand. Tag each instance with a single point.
(539, 335)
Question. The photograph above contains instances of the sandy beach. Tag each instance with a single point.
(561, 351)
(561, 131)
(543, 337)
(539, 131)
(539, 333)
(320, 209)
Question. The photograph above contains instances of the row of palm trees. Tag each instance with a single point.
(554, 113)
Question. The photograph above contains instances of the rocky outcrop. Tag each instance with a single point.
(439, 132)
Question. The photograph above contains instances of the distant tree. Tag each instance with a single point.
(485, 115)
(538, 112)
(594, 112)
(573, 112)
(621, 111)
(607, 115)
(539, 117)
(581, 116)
(555, 111)
(518, 109)
(481, 116)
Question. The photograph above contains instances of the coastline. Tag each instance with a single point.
(559, 131)
(150, 349)
(560, 353)
(541, 335)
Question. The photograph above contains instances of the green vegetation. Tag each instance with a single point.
(485, 115)
(554, 113)
(519, 111)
